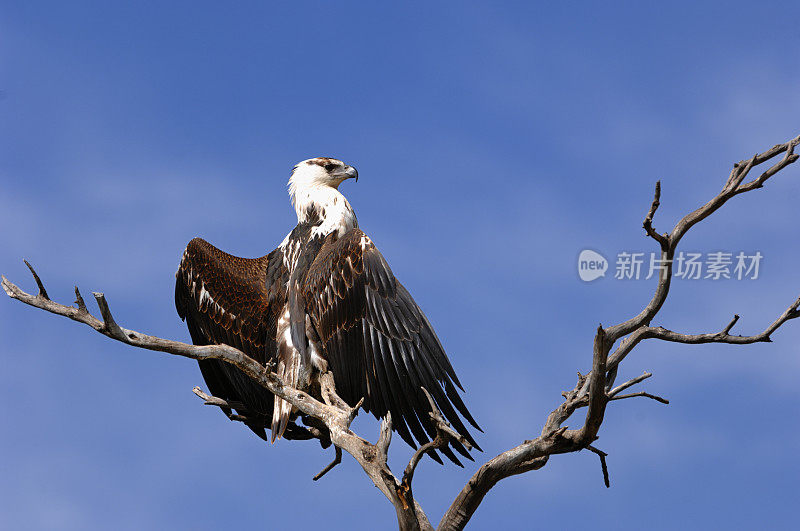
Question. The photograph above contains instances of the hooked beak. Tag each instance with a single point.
(351, 173)
(348, 172)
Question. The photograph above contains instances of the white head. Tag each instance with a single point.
(314, 185)
(319, 172)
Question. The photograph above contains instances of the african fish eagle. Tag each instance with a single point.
(324, 299)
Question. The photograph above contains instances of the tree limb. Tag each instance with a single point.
(648, 220)
(336, 460)
(641, 394)
(603, 465)
(335, 415)
(731, 189)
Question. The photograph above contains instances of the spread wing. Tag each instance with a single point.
(234, 301)
(379, 344)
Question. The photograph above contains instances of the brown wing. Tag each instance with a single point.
(378, 343)
(234, 301)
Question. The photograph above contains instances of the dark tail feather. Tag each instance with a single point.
(280, 418)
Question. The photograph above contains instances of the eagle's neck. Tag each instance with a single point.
(325, 208)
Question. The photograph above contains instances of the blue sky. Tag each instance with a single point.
(494, 143)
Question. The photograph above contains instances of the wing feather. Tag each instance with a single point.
(410, 384)
(350, 288)
(234, 301)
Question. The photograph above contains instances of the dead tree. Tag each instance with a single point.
(329, 417)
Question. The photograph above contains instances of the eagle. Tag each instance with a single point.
(324, 300)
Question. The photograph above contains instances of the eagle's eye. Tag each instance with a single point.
(330, 166)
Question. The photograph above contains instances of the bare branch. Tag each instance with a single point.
(641, 394)
(336, 461)
(648, 220)
(211, 400)
(109, 323)
(731, 324)
(614, 393)
(351, 415)
(740, 173)
(628, 384)
(724, 337)
(625, 347)
(789, 157)
(42, 291)
(603, 464)
(79, 301)
(385, 436)
(226, 406)
(647, 332)
(689, 220)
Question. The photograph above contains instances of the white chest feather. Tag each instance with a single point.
(329, 205)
